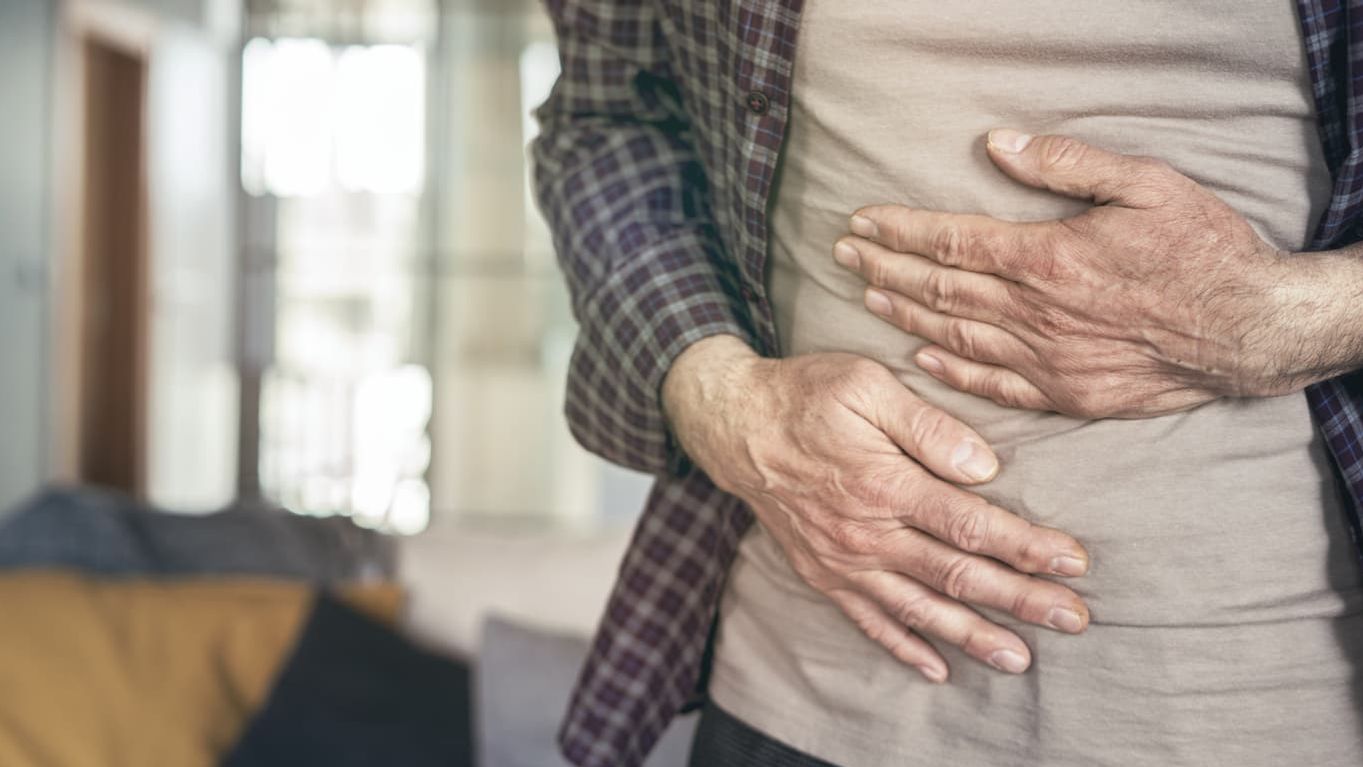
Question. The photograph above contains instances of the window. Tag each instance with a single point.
(413, 331)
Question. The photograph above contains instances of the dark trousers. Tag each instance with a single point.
(723, 741)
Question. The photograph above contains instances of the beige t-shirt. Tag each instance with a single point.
(1227, 615)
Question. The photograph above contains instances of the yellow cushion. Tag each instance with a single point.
(144, 673)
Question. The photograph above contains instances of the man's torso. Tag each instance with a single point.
(1197, 523)
(731, 62)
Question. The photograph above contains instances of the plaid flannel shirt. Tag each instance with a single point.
(654, 166)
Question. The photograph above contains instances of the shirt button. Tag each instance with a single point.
(758, 103)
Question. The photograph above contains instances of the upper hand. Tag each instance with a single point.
(816, 445)
(1156, 300)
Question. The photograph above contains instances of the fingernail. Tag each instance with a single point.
(864, 227)
(974, 461)
(1008, 140)
(1065, 619)
(934, 674)
(1008, 660)
(1069, 565)
(847, 256)
(878, 302)
(929, 363)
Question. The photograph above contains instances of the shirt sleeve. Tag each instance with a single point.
(620, 182)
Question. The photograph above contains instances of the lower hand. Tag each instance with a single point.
(851, 474)
(1158, 299)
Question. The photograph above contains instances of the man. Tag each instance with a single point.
(658, 164)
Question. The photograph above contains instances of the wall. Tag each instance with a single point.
(26, 35)
(191, 236)
(192, 429)
(503, 327)
(202, 15)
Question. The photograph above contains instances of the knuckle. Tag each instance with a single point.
(957, 577)
(1061, 153)
(915, 610)
(1054, 323)
(878, 629)
(930, 426)
(860, 372)
(1029, 605)
(960, 337)
(854, 537)
(1003, 394)
(1096, 399)
(970, 528)
(861, 614)
(1050, 254)
(853, 378)
(906, 317)
(949, 243)
(939, 293)
(1007, 254)
(863, 489)
(874, 630)
(877, 269)
(1068, 364)
(1010, 392)
(988, 380)
(1013, 303)
(977, 642)
(1073, 401)
(1035, 550)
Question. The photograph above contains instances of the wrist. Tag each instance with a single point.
(1308, 329)
(698, 388)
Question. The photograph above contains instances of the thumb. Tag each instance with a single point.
(1070, 167)
(936, 439)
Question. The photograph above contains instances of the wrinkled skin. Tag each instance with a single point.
(1156, 300)
(851, 474)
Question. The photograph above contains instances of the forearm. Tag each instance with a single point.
(1312, 329)
(626, 197)
(699, 388)
(644, 289)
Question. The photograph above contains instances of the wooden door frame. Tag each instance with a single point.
(131, 32)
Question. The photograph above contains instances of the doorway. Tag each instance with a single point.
(113, 293)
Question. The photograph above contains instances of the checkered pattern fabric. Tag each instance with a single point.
(654, 166)
(1333, 33)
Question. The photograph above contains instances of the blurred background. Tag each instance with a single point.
(280, 258)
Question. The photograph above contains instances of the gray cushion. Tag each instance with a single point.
(103, 532)
(521, 686)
